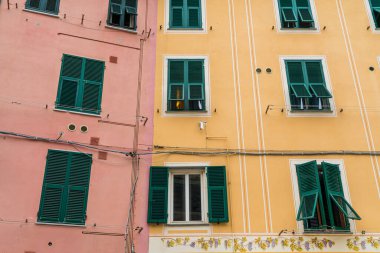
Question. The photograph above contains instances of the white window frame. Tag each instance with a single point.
(370, 17)
(314, 30)
(188, 167)
(185, 30)
(165, 112)
(285, 85)
(296, 195)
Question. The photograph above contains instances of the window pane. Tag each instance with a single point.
(50, 5)
(179, 198)
(34, 3)
(375, 3)
(195, 198)
(286, 3)
(302, 3)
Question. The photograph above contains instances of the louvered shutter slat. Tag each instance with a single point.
(53, 186)
(309, 189)
(217, 194)
(91, 97)
(334, 191)
(158, 195)
(68, 93)
(79, 177)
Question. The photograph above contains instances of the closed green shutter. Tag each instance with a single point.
(78, 183)
(217, 194)
(335, 193)
(80, 85)
(53, 187)
(309, 190)
(194, 13)
(65, 188)
(185, 14)
(158, 195)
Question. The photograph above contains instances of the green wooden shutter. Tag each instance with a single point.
(68, 92)
(51, 6)
(65, 188)
(78, 184)
(52, 197)
(335, 193)
(176, 89)
(158, 195)
(316, 79)
(176, 13)
(309, 190)
(194, 13)
(196, 80)
(217, 194)
(375, 6)
(93, 81)
(34, 4)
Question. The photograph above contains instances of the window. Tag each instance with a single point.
(65, 188)
(185, 14)
(322, 201)
(48, 6)
(307, 86)
(123, 13)
(296, 14)
(80, 85)
(180, 195)
(186, 85)
(375, 9)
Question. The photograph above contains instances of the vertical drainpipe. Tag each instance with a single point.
(129, 243)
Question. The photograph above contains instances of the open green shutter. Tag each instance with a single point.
(51, 204)
(300, 90)
(334, 191)
(158, 195)
(78, 184)
(309, 189)
(320, 91)
(217, 194)
(305, 15)
(288, 15)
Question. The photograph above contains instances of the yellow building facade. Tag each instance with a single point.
(282, 97)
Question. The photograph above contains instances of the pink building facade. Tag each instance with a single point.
(76, 107)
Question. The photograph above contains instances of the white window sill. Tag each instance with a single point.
(311, 114)
(81, 113)
(121, 29)
(42, 13)
(299, 30)
(185, 114)
(59, 224)
(186, 224)
(185, 30)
